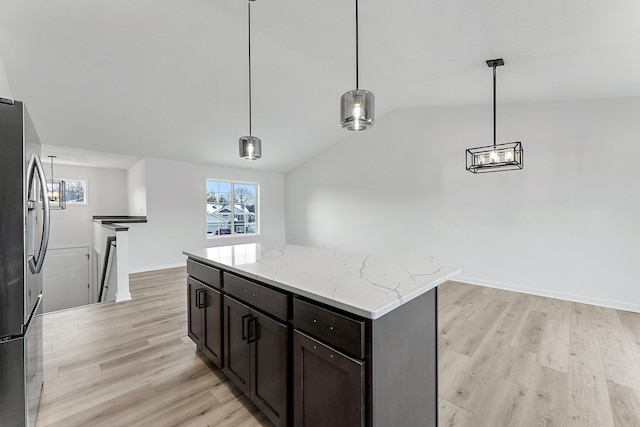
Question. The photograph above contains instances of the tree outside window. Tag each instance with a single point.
(76, 191)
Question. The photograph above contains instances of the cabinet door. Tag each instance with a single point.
(211, 337)
(195, 291)
(328, 386)
(269, 369)
(237, 351)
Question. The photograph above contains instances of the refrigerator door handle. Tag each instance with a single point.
(35, 165)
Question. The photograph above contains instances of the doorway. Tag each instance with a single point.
(65, 279)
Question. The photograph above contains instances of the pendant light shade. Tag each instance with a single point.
(357, 107)
(496, 157)
(250, 146)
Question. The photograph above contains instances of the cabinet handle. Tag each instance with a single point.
(200, 302)
(253, 329)
(198, 292)
(245, 326)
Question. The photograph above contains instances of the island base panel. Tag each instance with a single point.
(403, 369)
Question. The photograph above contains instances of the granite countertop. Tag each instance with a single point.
(368, 286)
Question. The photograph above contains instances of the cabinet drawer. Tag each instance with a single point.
(341, 331)
(204, 273)
(266, 299)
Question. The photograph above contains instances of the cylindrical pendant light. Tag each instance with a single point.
(357, 107)
(250, 146)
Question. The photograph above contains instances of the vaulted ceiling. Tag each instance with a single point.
(168, 78)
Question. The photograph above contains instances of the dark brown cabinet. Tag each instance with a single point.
(204, 319)
(237, 351)
(329, 386)
(255, 353)
(212, 338)
(308, 364)
(195, 312)
(205, 309)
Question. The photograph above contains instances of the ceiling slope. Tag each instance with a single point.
(169, 78)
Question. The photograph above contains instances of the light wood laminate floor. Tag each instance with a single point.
(505, 359)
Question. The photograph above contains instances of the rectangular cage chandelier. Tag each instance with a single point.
(492, 158)
(496, 157)
(56, 191)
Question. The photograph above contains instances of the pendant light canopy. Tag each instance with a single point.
(250, 146)
(56, 191)
(357, 107)
(496, 157)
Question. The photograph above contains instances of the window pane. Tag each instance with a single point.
(244, 208)
(231, 208)
(76, 191)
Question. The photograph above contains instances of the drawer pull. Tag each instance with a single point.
(315, 321)
(331, 328)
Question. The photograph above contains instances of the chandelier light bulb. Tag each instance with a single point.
(494, 157)
(508, 156)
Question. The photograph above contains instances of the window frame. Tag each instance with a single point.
(233, 214)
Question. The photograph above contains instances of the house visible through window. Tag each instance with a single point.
(76, 191)
(232, 208)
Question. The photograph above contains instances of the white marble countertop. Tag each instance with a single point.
(367, 286)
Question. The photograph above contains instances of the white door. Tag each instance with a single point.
(65, 278)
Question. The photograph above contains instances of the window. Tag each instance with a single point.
(76, 191)
(232, 208)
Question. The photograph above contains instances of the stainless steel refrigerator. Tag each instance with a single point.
(24, 235)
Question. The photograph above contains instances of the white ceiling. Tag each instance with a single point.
(168, 78)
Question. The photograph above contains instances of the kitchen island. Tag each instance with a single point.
(317, 337)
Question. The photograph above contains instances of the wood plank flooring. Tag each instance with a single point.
(506, 359)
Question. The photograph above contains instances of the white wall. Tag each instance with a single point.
(106, 192)
(5, 90)
(566, 226)
(137, 188)
(175, 202)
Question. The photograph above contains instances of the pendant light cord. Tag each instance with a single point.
(494, 103)
(52, 157)
(357, 51)
(249, 13)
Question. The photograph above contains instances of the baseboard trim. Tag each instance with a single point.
(123, 296)
(619, 305)
(156, 267)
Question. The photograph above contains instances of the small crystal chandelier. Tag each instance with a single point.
(250, 146)
(56, 191)
(357, 107)
(496, 157)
